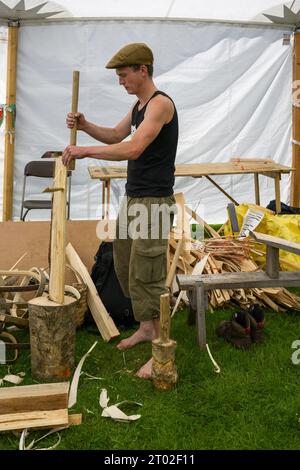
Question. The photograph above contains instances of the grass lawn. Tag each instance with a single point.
(253, 404)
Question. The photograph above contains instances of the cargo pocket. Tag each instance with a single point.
(151, 264)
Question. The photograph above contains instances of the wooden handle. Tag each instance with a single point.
(165, 320)
(75, 94)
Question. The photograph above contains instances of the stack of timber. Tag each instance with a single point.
(35, 406)
(220, 255)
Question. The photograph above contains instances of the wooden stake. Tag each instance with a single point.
(8, 175)
(58, 235)
(295, 177)
(164, 373)
(75, 94)
(58, 216)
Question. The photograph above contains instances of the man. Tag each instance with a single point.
(140, 262)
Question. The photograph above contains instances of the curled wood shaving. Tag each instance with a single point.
(75, 380)
(114, 411)
(25, 433)
(216, 366)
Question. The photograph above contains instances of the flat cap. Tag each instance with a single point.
(136, 53)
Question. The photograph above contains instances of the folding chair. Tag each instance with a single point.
(41, 169)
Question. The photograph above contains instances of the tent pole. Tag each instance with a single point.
(11, 79)
(295, 178)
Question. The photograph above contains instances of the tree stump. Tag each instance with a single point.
(52, 338)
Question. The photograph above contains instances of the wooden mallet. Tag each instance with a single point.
(164, 372)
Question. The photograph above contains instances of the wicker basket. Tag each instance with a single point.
(81, 307)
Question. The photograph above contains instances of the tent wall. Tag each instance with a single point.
(231, 85)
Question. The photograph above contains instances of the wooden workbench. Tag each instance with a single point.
(198, 170)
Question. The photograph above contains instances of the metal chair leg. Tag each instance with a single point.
(23, 218)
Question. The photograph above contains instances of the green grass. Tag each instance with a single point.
(253, 404)
(197, 231)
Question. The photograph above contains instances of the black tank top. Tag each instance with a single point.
(152, 174)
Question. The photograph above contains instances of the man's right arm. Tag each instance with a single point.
(107, 135)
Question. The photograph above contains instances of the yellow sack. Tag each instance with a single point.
(285, 226)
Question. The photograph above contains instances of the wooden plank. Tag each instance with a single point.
(35, 240)
(40, 397)
(276, 242)
(8, 170)
(239, 280)
(295, 177)
(196, 170)
(34, 419)
(251, 160)
(104, 322)
(75, 419)
(183, 229)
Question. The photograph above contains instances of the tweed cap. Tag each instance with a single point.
(136, 53)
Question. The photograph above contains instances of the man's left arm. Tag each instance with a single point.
(159, 112)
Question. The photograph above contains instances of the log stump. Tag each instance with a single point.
(52, 338)
(164, 372)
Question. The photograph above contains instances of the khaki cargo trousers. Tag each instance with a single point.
(140, 251)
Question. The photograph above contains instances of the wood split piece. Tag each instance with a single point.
(104, 322)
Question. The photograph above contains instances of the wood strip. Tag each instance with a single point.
(104, 322)
(202, 222)
(75, 419)
(172, 271)
(240, 280)
(276, 242)
(34, 419)
(221, 189)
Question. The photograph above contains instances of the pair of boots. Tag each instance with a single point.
(244, 328)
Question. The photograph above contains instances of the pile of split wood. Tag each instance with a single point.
(220, 255)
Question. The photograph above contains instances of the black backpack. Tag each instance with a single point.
(108, 287)
(285, 209)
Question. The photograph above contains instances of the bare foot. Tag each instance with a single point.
(146, 332)
(145, 371)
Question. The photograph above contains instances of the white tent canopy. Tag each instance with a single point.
(229, 10)
(231, 85)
